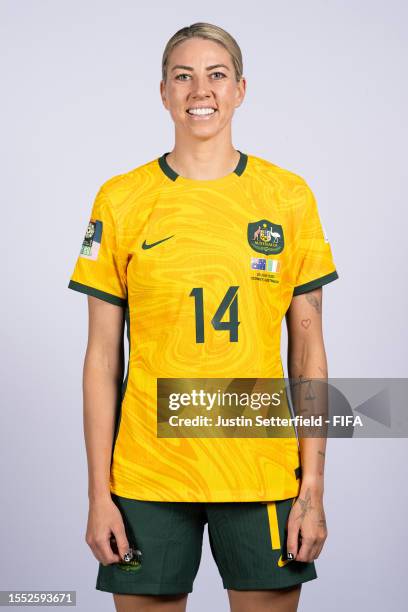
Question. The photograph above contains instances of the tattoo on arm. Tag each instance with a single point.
(305, 504)
(322, 455)
(313, 301)
(322, 520)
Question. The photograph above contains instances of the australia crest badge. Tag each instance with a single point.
(266, 237)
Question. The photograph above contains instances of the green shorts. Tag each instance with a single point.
(247, 539)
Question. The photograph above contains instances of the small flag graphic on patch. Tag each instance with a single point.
(273, 265)
(258, 263)
(92, 240)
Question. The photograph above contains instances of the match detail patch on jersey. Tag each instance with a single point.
(92, 240)
(269, 265)
(267, 269)
(266, 237)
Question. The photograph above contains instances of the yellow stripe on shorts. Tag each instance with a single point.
(273, 525)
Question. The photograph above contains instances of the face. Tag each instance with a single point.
(201, 74)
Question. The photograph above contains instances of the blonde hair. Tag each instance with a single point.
(209, 32)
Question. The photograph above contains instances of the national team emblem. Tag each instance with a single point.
(131, 563)
(132, 560)
(92, 240)
(266, 237)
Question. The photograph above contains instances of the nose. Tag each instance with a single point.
(200, 87)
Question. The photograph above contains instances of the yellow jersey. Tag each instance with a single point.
(205, 270)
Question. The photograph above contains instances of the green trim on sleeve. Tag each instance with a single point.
(316, 283)
(102, 295)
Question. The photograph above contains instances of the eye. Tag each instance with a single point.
(221, 73)
(183, 74)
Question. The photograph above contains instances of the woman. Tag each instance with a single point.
(201, 251)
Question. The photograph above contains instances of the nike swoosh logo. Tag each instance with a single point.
(282, 563)
(149, 246)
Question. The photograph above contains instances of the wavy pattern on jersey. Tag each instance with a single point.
(209, 250)
(196, 469)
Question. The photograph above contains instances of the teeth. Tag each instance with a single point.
(201, 111)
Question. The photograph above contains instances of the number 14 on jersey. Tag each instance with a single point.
(228, 302)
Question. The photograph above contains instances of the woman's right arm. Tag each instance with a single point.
(102, 378)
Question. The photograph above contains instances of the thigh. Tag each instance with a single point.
(248, 542)
(276, 600)
(150, 603)
(168, 536)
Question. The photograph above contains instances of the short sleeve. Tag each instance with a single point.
(100, 269)
(316, 266)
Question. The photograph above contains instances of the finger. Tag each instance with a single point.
(292, 539)
(319, 549)
(122, 542)
(94, 546)
(306, 550)
(313, 554)
(104, 551)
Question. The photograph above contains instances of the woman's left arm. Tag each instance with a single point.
(307, 360)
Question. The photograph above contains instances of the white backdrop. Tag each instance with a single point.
(327, 99)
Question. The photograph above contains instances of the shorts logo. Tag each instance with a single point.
(134, 564)
(282, 562)
(92, 240)
(266, 237)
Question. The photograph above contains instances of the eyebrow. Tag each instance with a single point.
(192, 69)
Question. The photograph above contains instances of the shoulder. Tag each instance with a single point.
(140, 179)
(288, 181)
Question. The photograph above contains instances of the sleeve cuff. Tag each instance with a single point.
(102, 295)
(316, 283)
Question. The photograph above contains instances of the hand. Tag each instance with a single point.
(308, 520)
(105, 519)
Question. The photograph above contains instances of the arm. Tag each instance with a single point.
(307, 359)
(102, 377)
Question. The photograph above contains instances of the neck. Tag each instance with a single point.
(203, 159)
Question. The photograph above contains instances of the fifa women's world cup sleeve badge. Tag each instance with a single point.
(92, 240)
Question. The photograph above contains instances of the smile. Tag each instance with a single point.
(201, 113)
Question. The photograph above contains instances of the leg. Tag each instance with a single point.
(276, 600)
(150, 603)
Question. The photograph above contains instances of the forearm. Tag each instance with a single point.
(101, 383)
(310, 399)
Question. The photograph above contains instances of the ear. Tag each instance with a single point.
(163, 93)
(241, 89)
